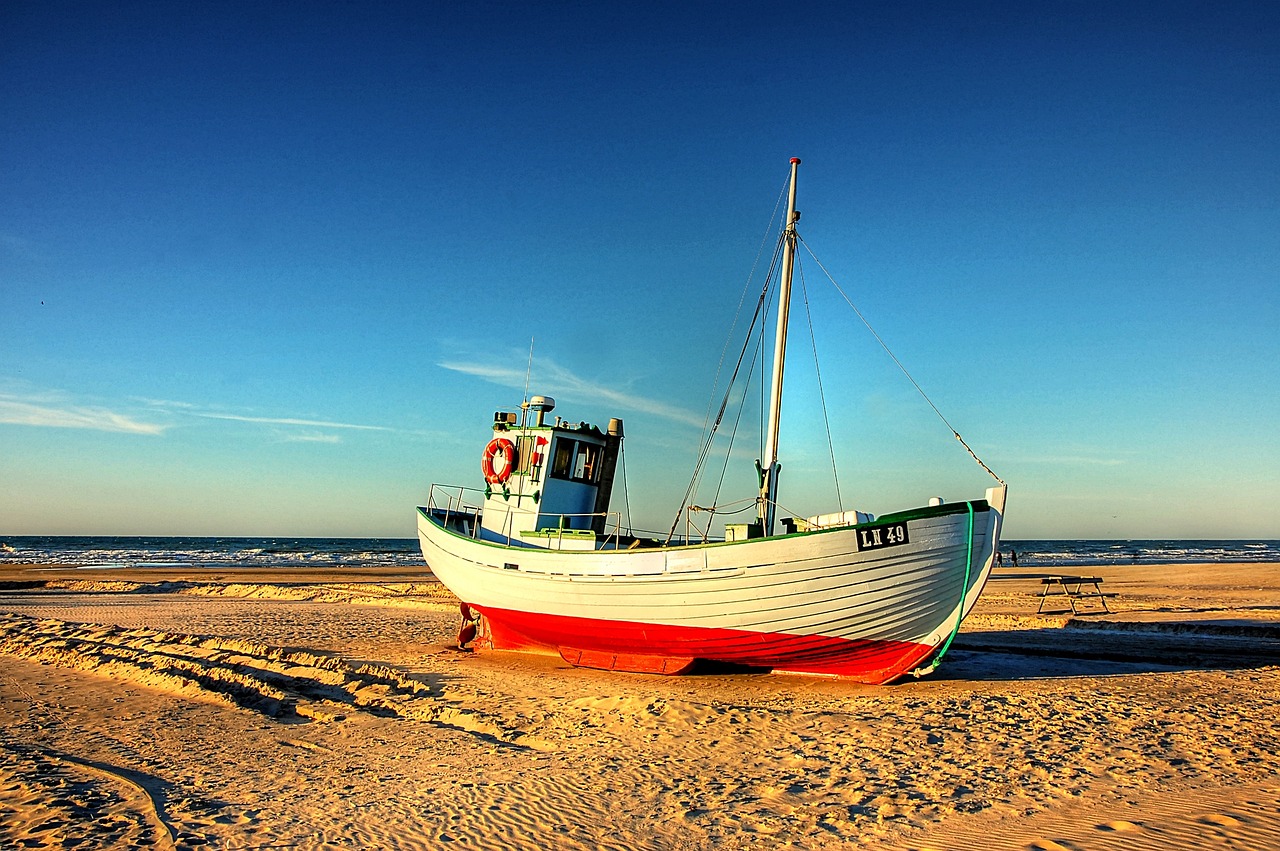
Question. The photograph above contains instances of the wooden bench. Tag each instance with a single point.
(1073, 588)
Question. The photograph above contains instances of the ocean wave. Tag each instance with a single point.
(122, 552)
(1083, 553)
(154, 552)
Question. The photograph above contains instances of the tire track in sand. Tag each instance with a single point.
(277, 682)
(47, 796)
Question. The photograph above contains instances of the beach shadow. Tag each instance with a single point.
(1107, 648)
(709, 668)
(981, 666)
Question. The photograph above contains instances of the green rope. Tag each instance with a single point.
(964, 592)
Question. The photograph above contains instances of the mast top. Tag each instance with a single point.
(795, 160)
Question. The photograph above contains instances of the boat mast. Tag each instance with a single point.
(770, 467)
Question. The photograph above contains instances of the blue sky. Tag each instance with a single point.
(268, 269)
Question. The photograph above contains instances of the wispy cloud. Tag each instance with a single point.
(312, 437)
(163, 403)
(289, 421)
(560, 381)
(24, 405)
(500, 375)
(52, 414)
(187, 409)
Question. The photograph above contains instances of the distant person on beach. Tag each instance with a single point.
(999, 559)
(1013, 556)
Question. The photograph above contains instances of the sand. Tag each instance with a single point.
(321, 709)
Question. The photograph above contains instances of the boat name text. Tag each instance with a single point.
(879, 537)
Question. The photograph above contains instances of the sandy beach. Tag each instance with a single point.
(238, 709)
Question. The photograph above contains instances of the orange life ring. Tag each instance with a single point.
(508, 449)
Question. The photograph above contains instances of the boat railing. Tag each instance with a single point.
(449, 504)
(459, 508)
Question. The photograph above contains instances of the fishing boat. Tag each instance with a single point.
(540, 563)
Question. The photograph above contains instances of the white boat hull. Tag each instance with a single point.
(836, 601)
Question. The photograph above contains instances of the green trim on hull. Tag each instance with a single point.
(975, 505)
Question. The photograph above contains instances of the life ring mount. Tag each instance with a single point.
(498, 446)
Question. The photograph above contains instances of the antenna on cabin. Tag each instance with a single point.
(524, 399)
(527, 372)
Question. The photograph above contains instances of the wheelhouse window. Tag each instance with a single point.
(524, 454)
(562, 461)
(577, 461)
(587, 463)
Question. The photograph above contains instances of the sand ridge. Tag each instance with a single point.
(260, 713)
(411, 594)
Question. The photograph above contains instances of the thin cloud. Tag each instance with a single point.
(289, 421)
(50, 409)
(565, 383)
(503, 376)
(163, 403)
(312, 437)
(49, 415)
(192, 410)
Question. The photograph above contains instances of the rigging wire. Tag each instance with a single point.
(822, 396)
(705, 447)
(733, 433)
(746, 287)
(894, 357)
(712, 427)
(626, 493)
(528, 370)
(761, 355)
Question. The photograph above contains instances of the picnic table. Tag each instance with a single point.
(1073, 588)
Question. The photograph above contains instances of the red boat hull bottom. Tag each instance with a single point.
(666, 649)
(635, 663)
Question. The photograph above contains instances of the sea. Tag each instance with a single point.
(168, 552)
(108, 551)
